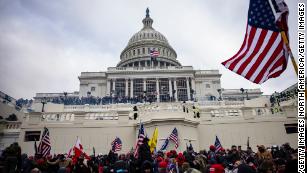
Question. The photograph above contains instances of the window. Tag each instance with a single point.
(133, 52)
(208, 86)
(233, 113)
(291, 128)
(120, 87)
(93, 88)
(32, 136)
(139, 52)
(182, 89)
(143, 51)
(138, 87)
(151, 90)
(216, 82)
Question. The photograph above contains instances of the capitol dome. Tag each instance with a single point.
(137, 52)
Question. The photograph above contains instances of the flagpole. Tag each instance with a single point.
(286, 41)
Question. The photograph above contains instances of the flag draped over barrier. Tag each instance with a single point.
(263, 54)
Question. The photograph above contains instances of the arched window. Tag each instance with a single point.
(143, 50)
(134, 52)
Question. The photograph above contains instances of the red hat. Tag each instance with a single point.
(212, 147)
(168, 154)
(159, 159)
(163, 164)
(222, 149)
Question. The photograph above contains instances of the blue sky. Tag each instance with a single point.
(45, 45)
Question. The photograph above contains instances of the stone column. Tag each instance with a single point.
(170, 89)
(144, 84)
(188, 88)
(131, 88)
(113, 87)
(108, 87)
(193, 87)
(175, 88)
(158, 90)
(126, 90)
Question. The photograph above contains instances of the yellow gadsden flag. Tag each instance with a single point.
(153, 141)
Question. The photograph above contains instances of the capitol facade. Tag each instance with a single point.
(166, 94)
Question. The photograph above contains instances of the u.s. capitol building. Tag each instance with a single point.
(166, 95)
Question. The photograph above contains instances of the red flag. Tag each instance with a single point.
(78, 150)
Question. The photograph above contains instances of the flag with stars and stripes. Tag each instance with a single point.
(217, 144)
(44, 146)
(263, 54)
(140, 139)
(154, 54)
(174, 137)
(116, 144)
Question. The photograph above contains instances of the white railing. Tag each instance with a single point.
(207, 72)
(91, 74)
(116, 69)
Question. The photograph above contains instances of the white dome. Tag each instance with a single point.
(140, 44)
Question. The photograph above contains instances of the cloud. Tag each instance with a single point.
(45, 45)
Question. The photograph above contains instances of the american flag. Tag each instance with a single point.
(263, 55)
(217, 144)
(139, 142)
(116, 144)
(44, 146)
(174, 137)
(154, 53)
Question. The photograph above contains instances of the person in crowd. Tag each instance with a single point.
(80, 167)
(144, 153)
(263, 154)
(233, 155)
(12, 158)
(283, 160)
(212, 155)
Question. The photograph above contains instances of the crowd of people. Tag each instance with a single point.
(91, 100)
(276, 159)
(24, 102)
(276, 97)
